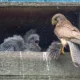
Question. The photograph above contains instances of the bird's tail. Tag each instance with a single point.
(75, 53)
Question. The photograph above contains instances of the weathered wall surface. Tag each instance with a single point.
(32, 66)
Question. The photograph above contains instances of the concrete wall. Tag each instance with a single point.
(32, 66)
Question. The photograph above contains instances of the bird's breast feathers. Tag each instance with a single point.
(64, 42)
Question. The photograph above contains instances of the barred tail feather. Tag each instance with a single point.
(75, 53)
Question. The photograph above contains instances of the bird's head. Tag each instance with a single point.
(57, 17)
(34, 38)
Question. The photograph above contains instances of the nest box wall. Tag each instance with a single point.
(18, 20)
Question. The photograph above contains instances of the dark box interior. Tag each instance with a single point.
(18, 20)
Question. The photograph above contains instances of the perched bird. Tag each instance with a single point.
(31, 39)
(75, 53)
(64, 30)
(32, 43)
(15, 43)
(54, 50)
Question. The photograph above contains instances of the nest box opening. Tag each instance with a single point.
(18, 20)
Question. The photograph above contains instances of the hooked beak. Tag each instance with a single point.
(54, 22)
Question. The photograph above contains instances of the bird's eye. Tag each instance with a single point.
(32, 38)
(56, 19)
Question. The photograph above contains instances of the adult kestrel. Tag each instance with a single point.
(64, 30)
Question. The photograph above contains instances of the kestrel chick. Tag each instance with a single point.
(54, 50)
(15, 43)
(32, 43)
(31, 39)
(28, 34)
(64, 30)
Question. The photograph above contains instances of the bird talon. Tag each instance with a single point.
(62, 51)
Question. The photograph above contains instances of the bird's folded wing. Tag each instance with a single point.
(75, 53)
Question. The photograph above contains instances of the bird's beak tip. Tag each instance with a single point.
(54, 22)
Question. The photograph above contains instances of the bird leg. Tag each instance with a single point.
(62, 50)
(64, 43)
